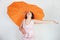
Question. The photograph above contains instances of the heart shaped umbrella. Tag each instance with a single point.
(17, 10)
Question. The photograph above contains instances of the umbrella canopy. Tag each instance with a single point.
(17, 11)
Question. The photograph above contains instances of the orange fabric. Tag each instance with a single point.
(17, 10)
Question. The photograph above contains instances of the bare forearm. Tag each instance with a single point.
(43, 22)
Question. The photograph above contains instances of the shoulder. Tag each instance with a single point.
(23, 21)
(33, 20)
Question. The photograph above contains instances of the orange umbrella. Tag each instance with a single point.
(17, 10)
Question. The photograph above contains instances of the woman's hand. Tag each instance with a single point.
(55, 22)
(23, 31)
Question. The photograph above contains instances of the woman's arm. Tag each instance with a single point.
(22, 29)
(44, 21)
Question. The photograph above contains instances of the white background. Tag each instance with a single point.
(51, 10)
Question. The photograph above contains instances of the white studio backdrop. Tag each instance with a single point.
(51, 8)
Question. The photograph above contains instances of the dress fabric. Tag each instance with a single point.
(29, 30)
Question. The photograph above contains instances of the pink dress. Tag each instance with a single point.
(29, 31)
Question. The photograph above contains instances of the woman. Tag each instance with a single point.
(27, 25)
